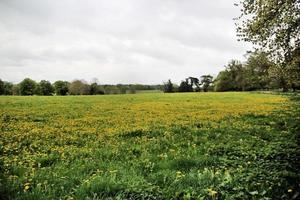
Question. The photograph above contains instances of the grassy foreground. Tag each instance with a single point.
(150, 146)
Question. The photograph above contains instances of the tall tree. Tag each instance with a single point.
(256, 72)
(235, 68)
(168, 87)
(274, 27)
(185, 86)
(195, 83)
(1, 87)
(206, 81)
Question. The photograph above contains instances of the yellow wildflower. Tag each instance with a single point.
(212, 192)
(179, 174)
(26, 186)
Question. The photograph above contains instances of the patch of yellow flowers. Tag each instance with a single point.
(71, 125)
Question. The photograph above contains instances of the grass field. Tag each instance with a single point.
(150, 146)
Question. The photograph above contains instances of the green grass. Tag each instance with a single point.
(150, 146)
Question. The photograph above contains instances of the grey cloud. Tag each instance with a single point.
(126, 41)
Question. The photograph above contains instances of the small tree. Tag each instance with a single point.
(79, 87)
(168, 87)
(27, 87)
(46, 88)
(61, 87)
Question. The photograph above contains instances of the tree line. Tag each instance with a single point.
(29, 87)
(190, 84)
(257, 73)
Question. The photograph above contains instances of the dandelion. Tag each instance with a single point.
(212, 192)
(179, 175)
(26, 187)
(163, 155)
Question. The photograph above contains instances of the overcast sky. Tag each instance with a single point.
(116, 41)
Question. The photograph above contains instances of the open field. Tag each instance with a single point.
(150, 146)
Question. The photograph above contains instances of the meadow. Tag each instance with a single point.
(233, 145)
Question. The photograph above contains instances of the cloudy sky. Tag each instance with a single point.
(116, 41)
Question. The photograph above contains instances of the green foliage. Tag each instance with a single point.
(195, 82)
(15, 89)
(293, 70)
(206, 81)
(96, 89)
(27, 87)
(256, 71)
(46, 88)
(79, 87)
(185, 86)
(7, 88)
(61, 87)
(232, 79)
(1, 87)
(279, 77)
(272, 25)
(112, 89)
(168, 87)
(123, 88)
